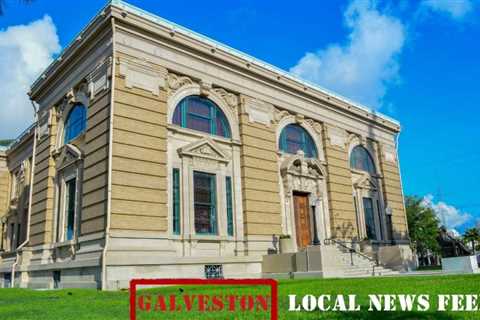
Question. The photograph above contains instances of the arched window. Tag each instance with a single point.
(198, 113)
(294, 138)
(75, 123)
(361, 159)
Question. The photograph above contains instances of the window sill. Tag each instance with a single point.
(199, 134)
(64, 244)
(360, 172)
(210, 237)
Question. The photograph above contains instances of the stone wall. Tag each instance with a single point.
(260, 179)
(43, 184)
(392, 188)
(95, 165)
(139, 194)
(339, 182)
(4, 184)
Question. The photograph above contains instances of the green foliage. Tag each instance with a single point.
(472, 236)
(423, 226)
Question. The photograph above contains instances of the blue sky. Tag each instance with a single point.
(415, 61)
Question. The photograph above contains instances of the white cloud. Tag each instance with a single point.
(361, 68)
(454, 233)
(26, 50)
(457, 9)
(448, 215)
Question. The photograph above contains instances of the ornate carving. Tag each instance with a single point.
(70, 97)
(230, 98)
(175, 81)
(280, 114)
(299, 118)
(315, 125)
(205, 88)
(304, 167)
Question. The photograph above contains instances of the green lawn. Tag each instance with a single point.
(91, 304)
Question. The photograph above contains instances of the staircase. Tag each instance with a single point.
(333, 259)
(344, 263)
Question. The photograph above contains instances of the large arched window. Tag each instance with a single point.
(76, 122)
(361, 159)
(294, 138)
(198, 113)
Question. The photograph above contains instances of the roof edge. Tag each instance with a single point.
(122, 5)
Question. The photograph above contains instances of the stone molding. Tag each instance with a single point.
(258, 111)
(337, 136)
(389, 153)
(142, 74)
(99, 79)
(206, 149)
(366, 182)
(66, 156)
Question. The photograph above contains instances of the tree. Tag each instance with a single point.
(472, 235)
(423, 226)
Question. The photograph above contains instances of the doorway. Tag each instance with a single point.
(302, 220)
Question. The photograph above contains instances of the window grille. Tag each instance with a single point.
(214, 271)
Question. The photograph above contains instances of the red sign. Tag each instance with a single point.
(204, 302)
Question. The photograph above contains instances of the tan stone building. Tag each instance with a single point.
(161, 153)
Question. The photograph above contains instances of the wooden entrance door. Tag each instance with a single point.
(302, 220)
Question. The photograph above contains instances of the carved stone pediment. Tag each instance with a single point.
(67, 155)
(206, 149)
(366, 182)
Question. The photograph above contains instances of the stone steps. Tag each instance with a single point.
(327, 261)
(341, 265)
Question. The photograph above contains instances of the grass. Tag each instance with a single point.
(80, 304)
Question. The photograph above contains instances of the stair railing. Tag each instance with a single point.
(352, 251)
